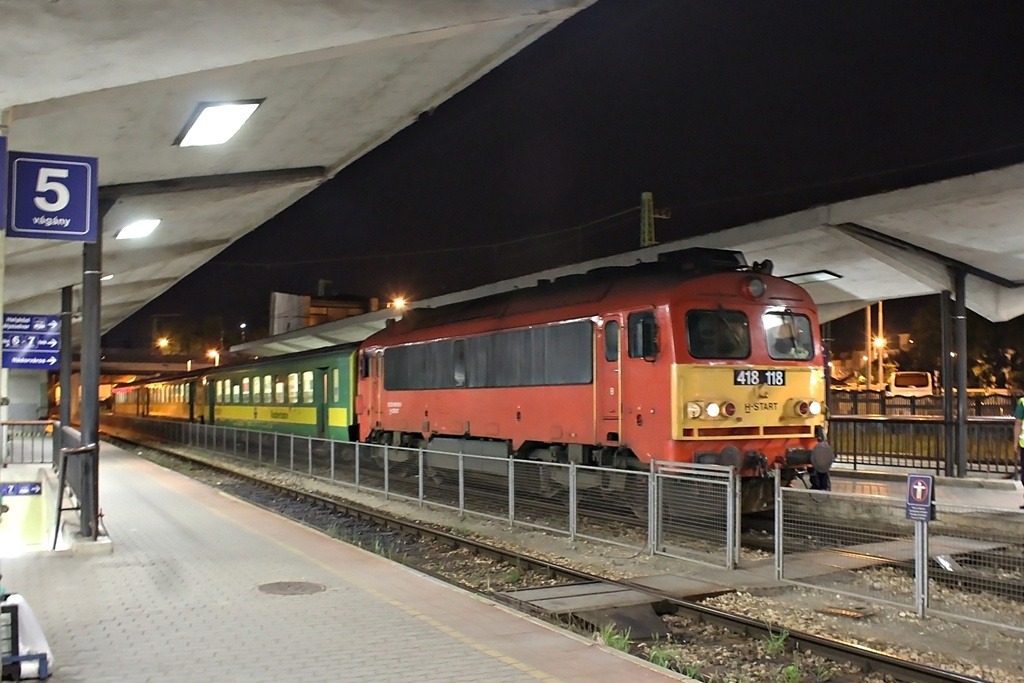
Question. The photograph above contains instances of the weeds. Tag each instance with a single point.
(775, 643)
(663, 658)
(791, 674)
(614, 638)
(825, 673)
(693, 671)
(513, 576)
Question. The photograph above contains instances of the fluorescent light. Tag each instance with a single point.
(138, 229)
(815, 276)
(107, 278)
(215, 123)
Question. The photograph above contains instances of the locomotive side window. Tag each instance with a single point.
(718, 334)
(643, 335)
(460, 362)
(364, 364)
(611, 340)
(789, 335)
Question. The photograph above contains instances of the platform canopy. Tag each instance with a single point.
(889, 246)
(120, 81)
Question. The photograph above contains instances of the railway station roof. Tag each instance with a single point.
(848, 254)
(120, 81)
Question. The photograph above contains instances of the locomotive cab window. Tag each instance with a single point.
(364, 364)
(788, 335)
(611, 340)
(718, 334)
(643, 335)
(459, 362)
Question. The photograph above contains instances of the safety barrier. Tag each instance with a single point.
(688, 511)
(30, 441)
(879, 403)
(968, 563)
(920, 442)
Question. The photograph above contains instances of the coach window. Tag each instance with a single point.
(220, 391)
(307, 386)
(336, 385)
(227, 391)
(279, 391)
(718, 334)
(611, 340)
(643, 335)
(236, 391)
(268, 389)
(293, 387)
(245, 390)
(459, 362)
(256, 389)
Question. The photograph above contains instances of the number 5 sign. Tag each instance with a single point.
(53, 197)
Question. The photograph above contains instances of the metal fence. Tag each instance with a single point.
(920, 442)
(30, 441)
(694, 512)
(968, 563)
(878, 403)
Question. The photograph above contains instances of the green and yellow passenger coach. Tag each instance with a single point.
(308, 394)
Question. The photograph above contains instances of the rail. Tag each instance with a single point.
(920, 442)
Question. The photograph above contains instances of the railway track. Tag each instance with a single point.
(866, 659)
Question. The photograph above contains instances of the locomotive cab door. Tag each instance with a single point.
(609, 378)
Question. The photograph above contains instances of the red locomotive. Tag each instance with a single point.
(697, 359)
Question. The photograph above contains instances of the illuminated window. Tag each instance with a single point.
(256, 389)
(235, 391)
(336, 384)
(245, 390)
(220, 390)
(307, 386)
(279, 391)
(268, 388)
(293, 387)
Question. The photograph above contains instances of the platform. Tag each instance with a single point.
(990, 492)
(179, 599)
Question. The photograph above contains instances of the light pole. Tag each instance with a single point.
(215, 355)
(242, 328)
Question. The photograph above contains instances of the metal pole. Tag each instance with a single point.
(870, 349)
(652, 505)
(309, 454)
(960, 333)
(826, 338)
(387, 482)
(332, 460)
(92, 267)
(462, 488)
(946, 330)
(779, 567)
(920, 567)
(511, 492)
(67, 304)
(881, 354)
(291, 453)
(419, 476)
(357, 467)
(730, 517)
(572, 501)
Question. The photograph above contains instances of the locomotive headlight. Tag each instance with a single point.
(693, 410)
(815, 408)
(713, 410)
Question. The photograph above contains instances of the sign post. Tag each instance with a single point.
(920, 509)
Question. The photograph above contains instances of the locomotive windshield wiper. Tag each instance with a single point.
(798, 348)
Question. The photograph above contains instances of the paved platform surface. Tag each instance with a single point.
(178, 600)
(892, 481)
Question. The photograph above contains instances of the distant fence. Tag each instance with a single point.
(920, 442)
(878, 403)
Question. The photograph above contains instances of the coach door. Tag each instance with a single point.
(320, 400)
(609, 384)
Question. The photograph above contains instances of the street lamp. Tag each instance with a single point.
(879, 342)
(241, 326)
(215, 355)
(162, 342)
(398, 302)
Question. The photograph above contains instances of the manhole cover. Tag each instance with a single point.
(292, 588)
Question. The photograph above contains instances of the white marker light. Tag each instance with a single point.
(218, 123)
(815, 408)
(138, 229)
(713, 410)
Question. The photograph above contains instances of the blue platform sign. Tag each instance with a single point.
(21, 488)
(31, 342)
(52, 196)
(3, 183)
(920, 496)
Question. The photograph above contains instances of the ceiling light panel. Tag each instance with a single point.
(214, 123)
(142, 228)
(815, 276)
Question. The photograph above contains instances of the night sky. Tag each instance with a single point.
(728, 111)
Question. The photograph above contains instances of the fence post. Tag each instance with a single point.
(737, 516)
(572, 501)
(275, 450)
(357, 467)
(332, 460)
(921, 567)
(420, 476)
(259, 449)
(291, 452)
(652, 505)
(511, 491)
(462, 488)
(387, 481)
(730, 520)
(779, 548)
(856, 402)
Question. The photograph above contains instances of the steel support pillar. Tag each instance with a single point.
(826, 338)
(92, 266)
(67, 303)
(946, 370)
(960, 337)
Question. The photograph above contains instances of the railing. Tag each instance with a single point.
(622, 507)
(878, 403)
(30, 441)
(920, 442)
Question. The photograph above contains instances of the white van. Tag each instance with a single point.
(910, 383)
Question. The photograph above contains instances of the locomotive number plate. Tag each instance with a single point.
(773, 378)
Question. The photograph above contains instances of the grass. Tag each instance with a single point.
(513, 576)
(662, 657)
(614, 638)
(791, 674)
(775, 642)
